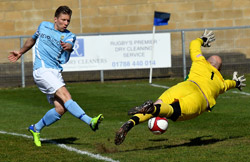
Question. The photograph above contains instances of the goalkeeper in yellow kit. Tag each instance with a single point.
(188, 99)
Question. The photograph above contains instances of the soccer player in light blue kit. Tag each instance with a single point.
(53, 45)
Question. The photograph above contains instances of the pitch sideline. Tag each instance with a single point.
(240, 92)
(160, 86)
(166, 87)
(69, 148)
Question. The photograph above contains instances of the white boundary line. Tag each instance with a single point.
(69, 148)
(240, 92)
(160, 86)
(166, 87)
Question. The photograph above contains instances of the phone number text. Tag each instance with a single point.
(121, 64)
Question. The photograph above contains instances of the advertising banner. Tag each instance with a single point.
(110, 52)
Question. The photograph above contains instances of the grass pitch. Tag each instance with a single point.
(222, 135)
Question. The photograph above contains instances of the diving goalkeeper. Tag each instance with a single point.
(190, 98)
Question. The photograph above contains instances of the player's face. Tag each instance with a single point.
(62, 22)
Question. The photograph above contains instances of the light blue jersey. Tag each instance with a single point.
(48, 51)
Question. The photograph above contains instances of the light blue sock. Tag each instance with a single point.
(77, 111)
(49, 118)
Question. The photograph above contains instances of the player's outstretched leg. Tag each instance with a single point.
(145, 108)
(36, 135)
(122, 132)
(94, 123)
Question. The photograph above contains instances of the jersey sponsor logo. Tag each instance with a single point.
(49, 40)
(78, 48)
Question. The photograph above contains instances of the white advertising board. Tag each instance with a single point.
(109, 52)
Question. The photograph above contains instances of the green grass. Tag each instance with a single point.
(222, 135)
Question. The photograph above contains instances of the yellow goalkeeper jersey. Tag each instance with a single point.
(207, 77)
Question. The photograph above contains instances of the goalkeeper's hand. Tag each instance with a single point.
(239, 80)
(207, 38)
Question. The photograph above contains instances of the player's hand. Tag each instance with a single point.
(239, 80)
(207, 38)
(66, 46)
(14, 56)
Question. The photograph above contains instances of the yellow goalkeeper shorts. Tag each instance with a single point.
(191, 99)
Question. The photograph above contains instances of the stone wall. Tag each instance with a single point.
(21, 17)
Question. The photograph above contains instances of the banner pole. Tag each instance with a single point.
(152, 56)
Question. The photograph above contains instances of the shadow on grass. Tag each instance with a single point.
(69, 140)
(198, 141)
(158, 140)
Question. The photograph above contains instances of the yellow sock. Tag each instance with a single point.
(140, 118)
(163, 110)
(132, 121)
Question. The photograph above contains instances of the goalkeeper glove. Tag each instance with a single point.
(239, 80)
(207, 38)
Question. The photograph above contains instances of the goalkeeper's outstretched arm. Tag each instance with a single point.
(236, 82)
(195, 46)
(239, 80)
